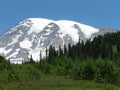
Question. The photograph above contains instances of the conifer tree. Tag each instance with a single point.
(31, 60)
(65, 50)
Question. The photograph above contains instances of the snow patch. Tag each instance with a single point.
(25, 44)
(14, 40)
(13, 55)
(16, 61)
(2, 50)
(8, 51)
(36, 54)
(38, 24)
(17, 50)
(67, 27)
(88, 30)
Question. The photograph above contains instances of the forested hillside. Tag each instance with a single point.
(95, 61)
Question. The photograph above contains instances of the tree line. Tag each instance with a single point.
(106, 46)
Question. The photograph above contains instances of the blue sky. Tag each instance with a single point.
(97, 13)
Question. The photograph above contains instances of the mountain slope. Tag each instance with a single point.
(34, 35)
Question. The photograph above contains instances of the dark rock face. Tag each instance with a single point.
(103, 31)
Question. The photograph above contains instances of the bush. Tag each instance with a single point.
(88, 71)
(34, 73)
(106, 72)
(59, 71)
(77, 72)
(12, 75)
(44, 66)
(3, 63)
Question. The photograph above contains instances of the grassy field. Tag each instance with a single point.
(51, 82)
(27, 77)
(56, 83)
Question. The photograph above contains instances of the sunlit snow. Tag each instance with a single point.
(25, 44)
(2, 50)
(38, 24)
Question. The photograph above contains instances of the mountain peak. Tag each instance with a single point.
(31, 36)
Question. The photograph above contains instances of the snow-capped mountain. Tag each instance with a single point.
(34, 35)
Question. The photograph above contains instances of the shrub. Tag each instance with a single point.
(59, 70)
(88, 71)
(77, 72)
(34, 73)
(44, 66)
(12, 75)
(107, 72)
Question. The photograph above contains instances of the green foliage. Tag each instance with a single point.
(114, 48)
(34, 73)
(77, 72)
(4, 64)
(62, 74)
(88, 71)
(44, 66)
(59, 71)
(12, 75)
(106, 72)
